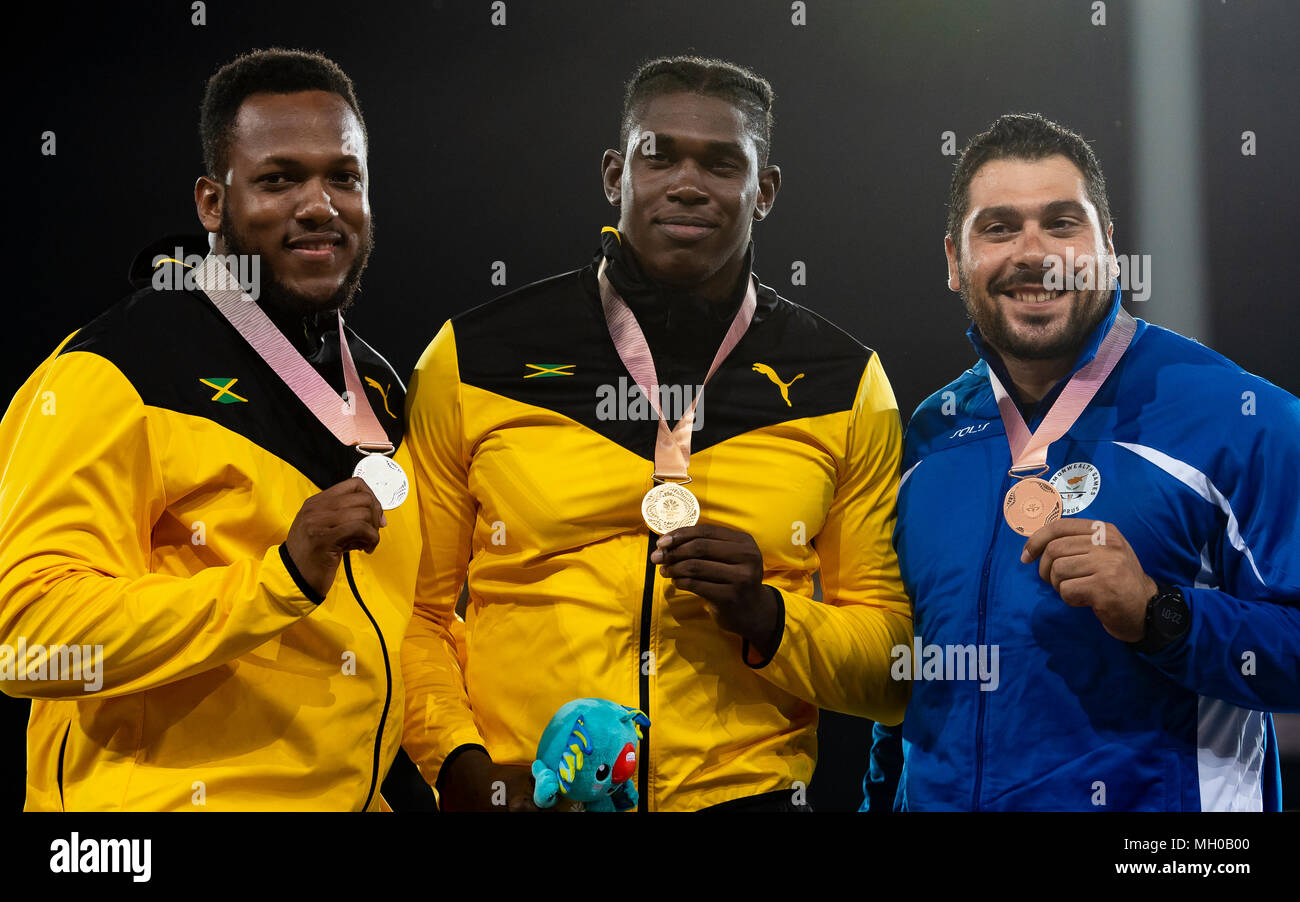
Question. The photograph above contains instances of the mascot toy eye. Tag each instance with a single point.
(588, 754)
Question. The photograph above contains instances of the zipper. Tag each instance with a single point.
(1032, 425)
(63, 747)
(979, 639)
(388, 676)
(647, 610)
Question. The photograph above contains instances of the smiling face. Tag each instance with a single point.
(1021, 213)
(688, 187)
(296, 193)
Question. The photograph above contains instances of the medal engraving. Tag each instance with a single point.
(669, 506)
(1030, 504)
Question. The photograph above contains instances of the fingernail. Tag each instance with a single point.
(1024, 555)
(656, 557)
(664, 542)
(383, 519)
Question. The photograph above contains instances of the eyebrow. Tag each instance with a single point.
(295, 163)
(1055, 208)
(714, 147)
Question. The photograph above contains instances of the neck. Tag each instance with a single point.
(303, 330)
(722, 284)
(717, 288)
(1034, 378)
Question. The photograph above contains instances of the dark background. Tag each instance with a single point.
(486, 142)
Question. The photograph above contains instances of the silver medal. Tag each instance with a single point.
(386, 479)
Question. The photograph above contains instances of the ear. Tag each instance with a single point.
(769, 182)
(954, 273)
(209, 198)
(636, 717)
(611, 175)
(578, 735)
(1110, 249)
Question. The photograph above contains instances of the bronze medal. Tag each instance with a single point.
(669, 506)
(1031, 504)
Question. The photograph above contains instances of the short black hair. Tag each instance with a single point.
(271, 71)
(1024, 136)
(743, 88)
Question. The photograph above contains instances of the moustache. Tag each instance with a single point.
(1023, 279)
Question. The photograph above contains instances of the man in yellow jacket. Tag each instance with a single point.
(180, 593)
(542, 465)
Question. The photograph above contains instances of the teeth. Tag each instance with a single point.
(1037, 297)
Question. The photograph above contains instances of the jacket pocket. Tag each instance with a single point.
(63, 747)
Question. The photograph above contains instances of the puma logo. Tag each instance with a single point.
(784, 386)
(383, 393)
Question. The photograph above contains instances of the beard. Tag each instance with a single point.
(275, 294)
(1050, 339)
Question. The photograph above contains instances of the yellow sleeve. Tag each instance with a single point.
(836, 653)
(438, 716)
(80, 491)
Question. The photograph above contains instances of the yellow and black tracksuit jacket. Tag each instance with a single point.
(531, 485)
(152, 466)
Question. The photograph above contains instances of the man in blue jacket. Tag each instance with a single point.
(1106, 624)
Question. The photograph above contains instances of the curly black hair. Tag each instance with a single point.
(272, 71)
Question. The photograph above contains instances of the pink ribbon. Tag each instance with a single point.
(672, 447)
(353, 422)
(1031, 450)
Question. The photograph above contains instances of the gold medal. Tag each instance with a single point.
(1031, 504)
(669, 506)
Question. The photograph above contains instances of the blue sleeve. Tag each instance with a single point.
(1244, 642)
(880, 785)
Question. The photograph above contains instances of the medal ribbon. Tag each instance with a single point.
(672, 448)
(1031, 450)
(353, 422)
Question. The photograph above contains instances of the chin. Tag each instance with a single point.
(1037, 345)
(316, 296)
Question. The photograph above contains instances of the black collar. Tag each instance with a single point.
(671, 316)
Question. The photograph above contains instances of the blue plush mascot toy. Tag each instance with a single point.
(588, 753)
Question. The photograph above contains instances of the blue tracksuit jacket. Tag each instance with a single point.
(1197, 463)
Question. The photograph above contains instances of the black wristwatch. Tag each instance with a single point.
(1168, 620)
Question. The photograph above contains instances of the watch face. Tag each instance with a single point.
(1169, 614)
